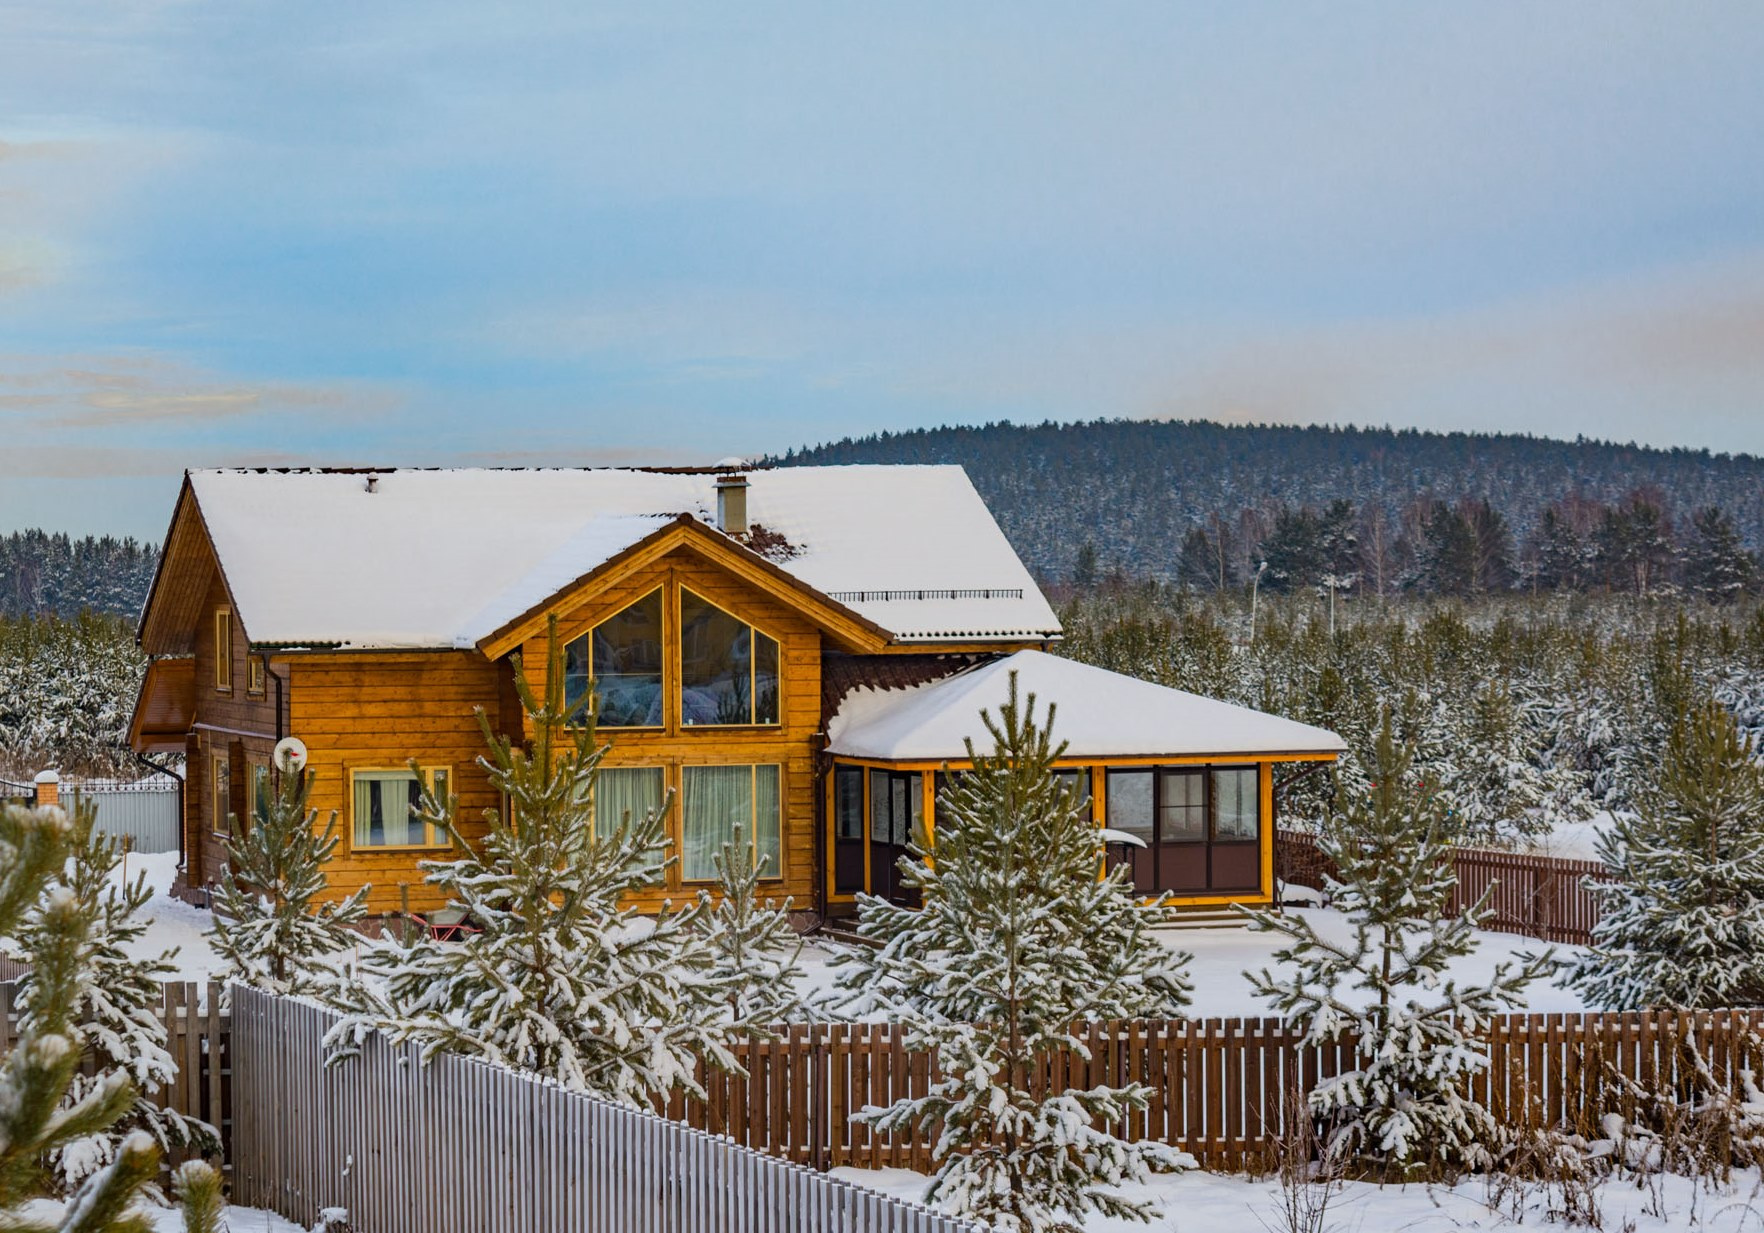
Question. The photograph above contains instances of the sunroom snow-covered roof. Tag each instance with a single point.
(1099, 714)
(443, 558)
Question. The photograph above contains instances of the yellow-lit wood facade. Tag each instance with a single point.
(220, 699)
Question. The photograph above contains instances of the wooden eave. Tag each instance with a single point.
(165, 708)
(187, 564)
(851, 631)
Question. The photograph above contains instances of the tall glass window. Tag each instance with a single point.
(728, 669)
(1236, 805)
(1182, 806)
(624, 795)
(718, 798)
(622, 659)
(1130, 804)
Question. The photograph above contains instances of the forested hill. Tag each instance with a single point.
(44, 573)
(1136, 489)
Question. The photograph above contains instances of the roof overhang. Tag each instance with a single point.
(165, 707)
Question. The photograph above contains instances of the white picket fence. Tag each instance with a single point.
(144, 812)
(461, 1146)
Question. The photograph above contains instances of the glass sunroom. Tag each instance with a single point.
(1185, 781)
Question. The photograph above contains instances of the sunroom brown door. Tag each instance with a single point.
(895, 807)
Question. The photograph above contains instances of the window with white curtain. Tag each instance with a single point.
(383, 806)
(623, 795)
(715, 799)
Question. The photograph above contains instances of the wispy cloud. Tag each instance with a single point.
(122, 391)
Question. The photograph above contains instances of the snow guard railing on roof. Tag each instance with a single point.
(870, 597)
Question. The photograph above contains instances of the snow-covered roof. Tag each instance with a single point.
(443, 558)
(1099, 714)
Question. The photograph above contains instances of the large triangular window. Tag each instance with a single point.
(728, 669)
(622, 656)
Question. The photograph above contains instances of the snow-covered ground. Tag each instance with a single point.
(1222, 956)
(168, 1220)
(174, 923)
(1573, 841)
(1201, 1202)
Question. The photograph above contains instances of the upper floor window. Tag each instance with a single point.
(223, 648)
(622, 657)
(253, 675)
(728, 669)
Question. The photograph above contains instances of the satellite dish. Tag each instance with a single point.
(290, 755)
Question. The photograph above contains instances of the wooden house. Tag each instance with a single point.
(798, 650)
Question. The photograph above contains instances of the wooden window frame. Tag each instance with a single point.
(667, 659)
(220, 800)
(679, 694)
(753, 834)
(428, 774)
(223, 650)
(254, 675)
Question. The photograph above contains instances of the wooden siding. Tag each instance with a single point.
(790, 744)
(234, 724)
(377, 710)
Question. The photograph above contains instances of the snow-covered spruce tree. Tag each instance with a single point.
(560, 979)
(270, 923)
(1403, 1107)
(755, 949)
(1018, 940)
(36, 1120)
(1683, 922)
(116, 1005)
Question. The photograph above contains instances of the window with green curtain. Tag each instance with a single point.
(728, 669)
(718, 798)
(624, 794)
(383, 801)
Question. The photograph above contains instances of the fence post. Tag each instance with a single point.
(48, 786)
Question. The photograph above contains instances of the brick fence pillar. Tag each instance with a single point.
(48, 788)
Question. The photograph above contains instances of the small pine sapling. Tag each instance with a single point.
(563, 977)
(117, 1007)
(1021, 939)
(271, 923)
(36, 1117)
(756, 950)
(1404, 1107)
(1683, 918)
(197, 1187)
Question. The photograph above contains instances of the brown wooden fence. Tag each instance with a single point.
(198, 1035)
(1220, 1088)
(1539, 896)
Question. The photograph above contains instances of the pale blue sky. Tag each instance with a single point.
(437, 232)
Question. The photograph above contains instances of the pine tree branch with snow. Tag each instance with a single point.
(1683, 918)
(1021, 939)
(1403, 1107)
(271, 922)
(755, 949)
(116, 1010)
(562, 977)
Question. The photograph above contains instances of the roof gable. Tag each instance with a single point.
(846, 626)
(448, 558)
